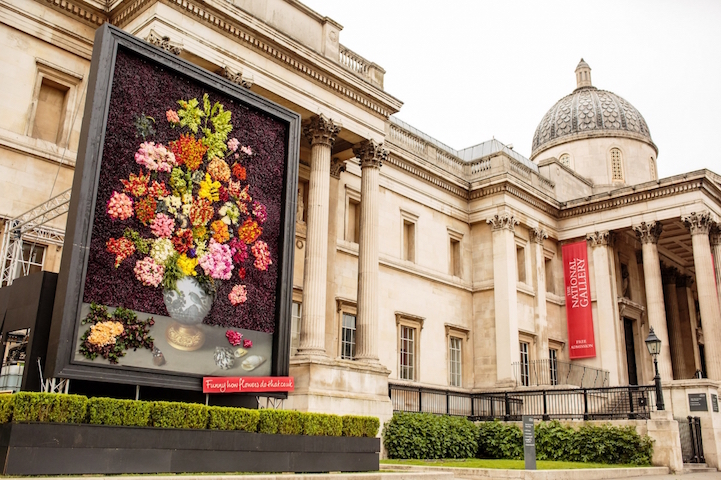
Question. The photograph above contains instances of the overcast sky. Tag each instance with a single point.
(468, 71)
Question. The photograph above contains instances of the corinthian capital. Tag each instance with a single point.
(600, 239)
(648, 232)
(321, 130)
(164, 42)
(502, 221)
(370, 153)
(698, 223)
(669, 275)
(336, 167)
(538, 235)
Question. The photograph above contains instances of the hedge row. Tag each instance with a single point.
(60, 408)
(427, 436)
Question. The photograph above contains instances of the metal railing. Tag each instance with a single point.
(689, 430)
(632, 402)
(557, 372)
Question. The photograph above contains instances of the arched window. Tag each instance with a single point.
(616, 165)
(652, 168)
(565, 160)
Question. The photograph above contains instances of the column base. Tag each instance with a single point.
(343, 387)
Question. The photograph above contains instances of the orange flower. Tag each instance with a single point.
(220, 231)
(239, 171)
(249, 231)
(136, 185)
(188, 151)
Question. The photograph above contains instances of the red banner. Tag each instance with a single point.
(578, 301)
(247, 384)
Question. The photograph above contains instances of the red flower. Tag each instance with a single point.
(183, 240)
(136, 185)
(239, 171)
(188, 151)
(145, 209)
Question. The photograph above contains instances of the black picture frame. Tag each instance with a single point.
(73, 268)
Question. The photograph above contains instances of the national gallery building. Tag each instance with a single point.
(417, 265)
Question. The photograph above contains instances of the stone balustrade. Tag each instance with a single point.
(361, 66)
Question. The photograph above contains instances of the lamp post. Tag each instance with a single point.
(653, 343)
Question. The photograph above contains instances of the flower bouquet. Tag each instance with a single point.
(195, 220)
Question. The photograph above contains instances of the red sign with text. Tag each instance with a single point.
(578, 301)
(247, 384)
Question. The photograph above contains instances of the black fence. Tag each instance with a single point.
(632, 402)
(689, 429)
(556, 372)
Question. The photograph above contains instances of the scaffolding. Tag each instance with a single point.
(31, 226)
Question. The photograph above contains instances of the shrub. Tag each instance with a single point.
(285, 422)
(6, 408)
(112, 411)
(357, 426)
(179, 415)
(229, 418)
(322, 424)
(49, 407)
(609, 444)
(499, 440)
(555, 441)
(427, 436)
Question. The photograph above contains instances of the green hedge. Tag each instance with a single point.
(51, 407)
(427, 436)
(229, 418)
(357, 426)
(500, 440)
(112, 411)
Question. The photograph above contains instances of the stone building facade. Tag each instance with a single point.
(415, 263)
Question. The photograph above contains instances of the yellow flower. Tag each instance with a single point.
(209, 189)
(105, 333)
(187, 265)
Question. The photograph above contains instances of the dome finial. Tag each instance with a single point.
(583, 75)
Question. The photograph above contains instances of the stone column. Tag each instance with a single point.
(609, 331)
(321, 132)
(332, 325)
(673, 321)
(700, 224)
(370, 158)
(648, 234)
(538, 235)
(687, 315)
(715, 238)
(505, 296)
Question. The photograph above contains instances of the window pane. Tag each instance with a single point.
(295, 327)
(553, 365)
(347, 348)
(407, 353)
(525, 367)
(455, 365)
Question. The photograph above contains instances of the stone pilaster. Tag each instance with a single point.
(370, 158)
(321, 132)
(715, 238)
(505, 296)
(700, 225)
(687, 315)
(538, 235)
(648, 234)
(332, 325)
(669, 275)
(608, 340)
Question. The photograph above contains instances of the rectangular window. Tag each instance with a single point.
(347, 346)
(454, 361)
(33, 256)
(353, 221)
(525, 365)
(409, 241)
(407, 353)
(50, 111)
(549, 276)
(521, 263)
(296, 313)
(553, 365)
(455, 266)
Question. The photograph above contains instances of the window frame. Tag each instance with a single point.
(462, 334)
(524, 367)
(344, 306)
(522, 244)
(455, 265)
(297, 299)
(622, 173)
(409, 218)
(560, 160)
(414, 322)
(352, 196)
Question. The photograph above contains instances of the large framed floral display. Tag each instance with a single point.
(178, 252)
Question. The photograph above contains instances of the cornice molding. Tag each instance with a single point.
(76, 10)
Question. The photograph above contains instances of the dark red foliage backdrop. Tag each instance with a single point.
(141, 87)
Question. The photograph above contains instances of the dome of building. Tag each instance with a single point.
(586, 113)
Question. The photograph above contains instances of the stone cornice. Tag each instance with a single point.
(274, 44)
(593, 134)
(79, 10)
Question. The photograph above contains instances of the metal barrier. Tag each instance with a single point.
(632, 402)
(557, 372)
(689, 430)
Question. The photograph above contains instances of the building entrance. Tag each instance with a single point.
(630, 351)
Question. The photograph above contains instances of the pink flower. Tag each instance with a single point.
(246, 150)
(262, 255)
(218, 262)
(238, 295)
(261, 214)
(235, 338)
(247, 343)
(172, 116)
(233, 144)
(148, 272)
(120, 206)
(162, 225)
(155, 157)
(239, 250)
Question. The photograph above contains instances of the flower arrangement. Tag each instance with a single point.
(191, 198)
(109, 336)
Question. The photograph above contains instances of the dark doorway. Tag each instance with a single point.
(630, 351)
(702, 354)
